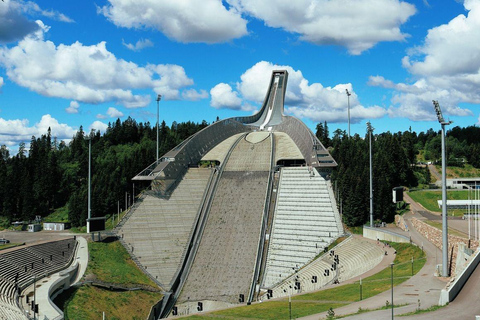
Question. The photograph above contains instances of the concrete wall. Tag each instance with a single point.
(447, 295)
(67, 277)
(434, 235)
(384, 235)
(400, 222)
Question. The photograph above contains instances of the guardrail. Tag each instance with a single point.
(266, 210)
(447, 295)
(382, 234)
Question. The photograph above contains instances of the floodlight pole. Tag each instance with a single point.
(348, 108)
(370, 130)
(443, 123)
(159, 97)
(89, 182)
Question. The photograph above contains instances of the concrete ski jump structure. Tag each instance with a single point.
(228, 233)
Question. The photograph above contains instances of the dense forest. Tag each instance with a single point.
(52, 174)
(395, 163)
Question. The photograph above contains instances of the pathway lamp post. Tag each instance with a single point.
(391, 267)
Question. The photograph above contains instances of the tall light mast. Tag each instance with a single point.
(159, 97)
(444, 123)
(348, 108)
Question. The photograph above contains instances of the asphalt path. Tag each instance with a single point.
(434, 172)
(34, 237)
(423, 287)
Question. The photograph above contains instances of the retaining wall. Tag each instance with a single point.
(434, 235)
(400, 222)
(453, 288)
(384, 235)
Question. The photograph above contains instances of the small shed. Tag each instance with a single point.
(34, 227)
(56, 226)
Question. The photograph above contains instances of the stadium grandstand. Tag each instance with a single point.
(21, 268)
(228, 232)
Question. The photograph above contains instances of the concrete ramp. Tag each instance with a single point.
(157, 233)
(225, 261)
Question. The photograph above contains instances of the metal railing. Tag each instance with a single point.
(266, 210)
(169, 300)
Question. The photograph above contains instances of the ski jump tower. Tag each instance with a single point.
(215, 237)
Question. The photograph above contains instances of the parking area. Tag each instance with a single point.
(33, 237)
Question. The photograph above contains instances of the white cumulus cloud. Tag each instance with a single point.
(98, 126)
(206, 21)
(139, 45)
(14, 25)
(111, 113)
(89, 74)
(114, 113)
(194, 95)
(445, 68)
(356, 24)
(12, 132)
(302, 99)
(73, 107)
(224, 97)
(34, 9)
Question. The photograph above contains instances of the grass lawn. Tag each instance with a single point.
(321, 301)
(110, 262)
(428, 198)
(356, 230)
(376, 283)
(59, 215)
(420, 311)
(468, 171)
(10, 245)
(113, 220)
(271, 310)
(88, 302)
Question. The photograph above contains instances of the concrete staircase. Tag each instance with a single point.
(158, 230)
(305, 221)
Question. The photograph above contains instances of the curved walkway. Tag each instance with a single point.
(46, 308)
(423, 286)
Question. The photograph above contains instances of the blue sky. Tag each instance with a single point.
(67, 64)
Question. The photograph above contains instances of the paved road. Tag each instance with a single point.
(424, 286)
(434, 172)
(456, 223)
(33, 237)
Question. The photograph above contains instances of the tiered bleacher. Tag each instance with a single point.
(355, 257)
(18, 267)
(159, 230)
(9, 312)
(225, 260)
(306, 220)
